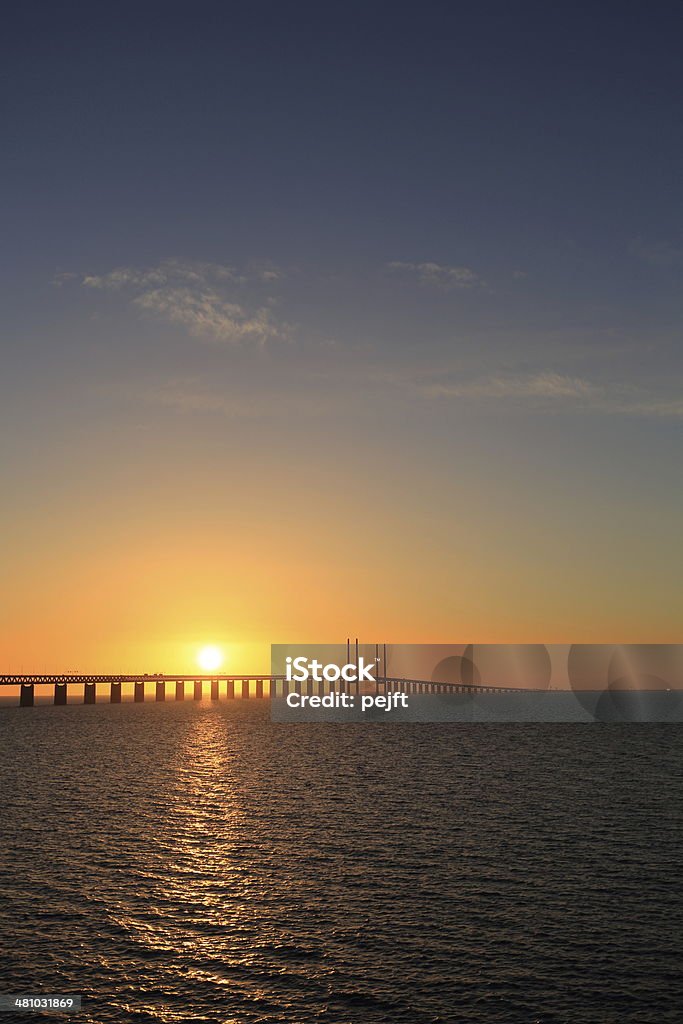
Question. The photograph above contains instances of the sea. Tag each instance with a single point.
(197, 862)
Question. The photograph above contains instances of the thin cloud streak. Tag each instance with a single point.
(542, 385)
(439, 275)
(548, 390)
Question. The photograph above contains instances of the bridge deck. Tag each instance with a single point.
(234, 685)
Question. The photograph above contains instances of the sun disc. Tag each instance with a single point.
(210, 658)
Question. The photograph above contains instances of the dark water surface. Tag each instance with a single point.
(195, 862)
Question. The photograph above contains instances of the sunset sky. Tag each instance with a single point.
(325, 320)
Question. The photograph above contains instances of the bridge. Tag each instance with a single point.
(241, 687)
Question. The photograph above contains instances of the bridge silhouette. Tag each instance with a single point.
(241, 687)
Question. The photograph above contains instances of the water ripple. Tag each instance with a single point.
(196, 863)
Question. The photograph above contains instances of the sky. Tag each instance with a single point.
(321, 320)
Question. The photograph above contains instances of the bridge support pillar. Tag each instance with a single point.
(60, 693)
(89, 696)
(230, 689)
(259, 688)
(321, 688)
(214, 689)
(285, 687)
(245, 689)
(160, 690)
(139, 692)
(115, 693)
(273, 687)
(26, 695)
(309, 687)
(197, 689)
(179, 690)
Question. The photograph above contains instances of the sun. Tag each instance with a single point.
(210, 658)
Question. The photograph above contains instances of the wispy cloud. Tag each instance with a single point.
(545, 385)
(206, 314)
(64, 277)
(439, 275)
(548, 390)
(209, 300)
(652, 406)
